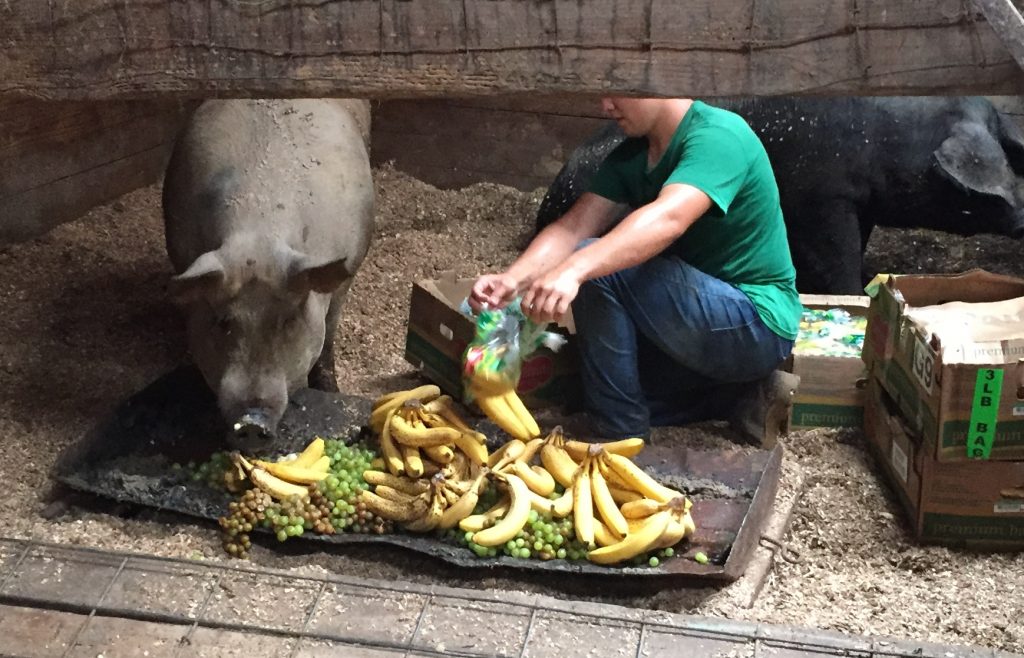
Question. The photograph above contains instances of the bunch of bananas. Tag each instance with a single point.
(420, 431)
(286, 477)
(634, 512)
(437, 502)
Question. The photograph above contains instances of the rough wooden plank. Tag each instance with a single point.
(451, 144)
(65, 158)
(94, 49)
(1007, 23)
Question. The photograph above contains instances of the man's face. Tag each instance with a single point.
(635, 116)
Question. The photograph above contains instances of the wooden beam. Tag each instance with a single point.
(1007, 23)
(61, 159)
(103, 49)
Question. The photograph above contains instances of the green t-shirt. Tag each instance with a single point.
(742, 238)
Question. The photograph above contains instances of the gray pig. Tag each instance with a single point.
(268, 213)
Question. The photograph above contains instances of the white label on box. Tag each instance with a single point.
(924, 365)
(1018, 410)
(1008, 507)
(446, 331)
(899, 461)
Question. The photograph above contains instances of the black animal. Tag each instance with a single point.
(845, 165)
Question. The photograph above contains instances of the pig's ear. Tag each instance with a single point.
(973, 159)
(306, 275)
(202, 277)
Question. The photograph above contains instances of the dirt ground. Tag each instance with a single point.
(85, 322)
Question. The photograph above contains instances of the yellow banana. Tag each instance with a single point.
(582, 505)
(604, 503)
(392, 455)
(442, 406)
(405, 485)
(440, 454)
(513, 450)
(603, 536)
(378, 464)
(623, 496)
(637, 479)
(526, 419)
(541, 504)
(478, 522)
(275, 486)
(288, 472)
(309, 456)
(412, 460)
(562, 506)
(517, 516)
(496, 408)
(625, 447)
(558, 463)
(429, 521)
(533, 446)
(476, 451)
(674, 533)
(463, 507)
(535, 477)
(396, 400)
(641, 509)
(636, 542)
(409, 434)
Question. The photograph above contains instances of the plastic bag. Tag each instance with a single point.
(504, 338)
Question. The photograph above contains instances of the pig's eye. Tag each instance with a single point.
(225, 324)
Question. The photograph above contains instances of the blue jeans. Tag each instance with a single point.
(663, 343)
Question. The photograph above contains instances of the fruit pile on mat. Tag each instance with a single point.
(542, 497)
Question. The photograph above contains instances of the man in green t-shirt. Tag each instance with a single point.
(686, 306)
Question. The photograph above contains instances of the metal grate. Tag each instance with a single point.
(525, 619)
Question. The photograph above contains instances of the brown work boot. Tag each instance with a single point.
(763, 413)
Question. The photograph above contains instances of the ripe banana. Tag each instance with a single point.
(496, 408)
(557, 461)
(389, 509)
(582, 505)
(625, 447)
(289, 472)
(392, 455)
(526, 419)
(535, 477)
(604, 503)
(393, 401)
(463, 507)
(622, 496)
(476, 451)
(641, 509)
(637, 541)
(440, 454)
(412, 460)
(517, 516)
(603, 536)
(309, 456)
(275, 486)
(409, 434)
(429, 521)
(442, 406)
(389, 493)
(562, 506)
(513, 449)
(533, 446)
(637, 479)
(478, 522)
(405, 485)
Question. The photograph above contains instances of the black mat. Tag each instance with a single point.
(129, 457)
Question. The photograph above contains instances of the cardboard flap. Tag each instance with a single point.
(976, 286)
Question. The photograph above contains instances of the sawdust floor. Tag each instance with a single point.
(86, 322)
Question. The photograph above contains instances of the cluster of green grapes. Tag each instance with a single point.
(342, 487)
(217, 472)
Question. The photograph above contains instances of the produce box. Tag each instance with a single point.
(949, 349)
(827, 357)
(130, 456)
(977, 504)
(438, 334)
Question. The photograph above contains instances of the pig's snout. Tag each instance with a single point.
(253, 427)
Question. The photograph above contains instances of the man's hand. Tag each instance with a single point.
(493, 291)
(549, 297)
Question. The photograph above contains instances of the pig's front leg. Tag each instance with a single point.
(322, 376)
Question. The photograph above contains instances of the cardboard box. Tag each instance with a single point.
(831, 392)
(977, 504)
(959, 382)
(438, 335)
